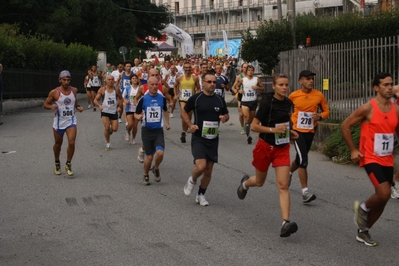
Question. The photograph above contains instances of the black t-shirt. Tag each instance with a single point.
(271, 112)
(206, 111)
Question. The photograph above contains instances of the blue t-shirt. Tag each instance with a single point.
(152, 107)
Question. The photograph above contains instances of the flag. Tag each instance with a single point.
(226, 42)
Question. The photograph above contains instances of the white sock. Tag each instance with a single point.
(363, 206)
(243, 186)
(304, 190)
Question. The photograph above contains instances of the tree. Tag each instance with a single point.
(271, 38)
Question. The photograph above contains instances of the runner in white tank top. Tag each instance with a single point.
(63, 101)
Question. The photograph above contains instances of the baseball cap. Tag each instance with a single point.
(305, 73)
(64, 73)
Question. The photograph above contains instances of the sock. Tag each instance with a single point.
(304, 190)
(285, 221)
(68, 162)
(191, 180)
(247, 129)
(57, 161)
(363, 206)
(201, 191)
(243, 186)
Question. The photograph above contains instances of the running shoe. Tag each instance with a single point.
(394, 192)
(201, 200)
(242, 132)
(127, 137)
(157, 176)
(119, 120)
(146, 181)
(171, 115)
(88, 107)
(140, 156)
(183, 137)
(57, 168)
(94, 109)
(108, 147)
(288, 228)
(249, 140)
(308, 197)
(132, 141)
(68, 169)
(241, 192)
(360, 216)
(364, 237)
(188, 188)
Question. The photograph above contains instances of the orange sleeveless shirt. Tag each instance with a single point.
(377, 137)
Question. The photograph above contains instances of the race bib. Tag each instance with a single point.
(145, 76)
(210, 129)
(219, 92)
(185, 94)
(153, 114)
(250, 93)
(96, 81)
(126, 83)
(383, 144)
(283, 138)
(65, 111)
(305, 120)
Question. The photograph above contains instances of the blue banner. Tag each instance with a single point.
(217, 47)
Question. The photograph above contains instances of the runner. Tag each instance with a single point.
(128, 95)
(152, 110)
(170, 80)
(136, 66)
(95, 79)
(209, 109)
(238, 95)
(306, 102)
(185, 87)
(143, 73)
(249, 101)
(107, 71)
(87, 86)
(63, 101)
(222, 81)
(272, 121)
(124, 82)
(379, 123)
(111, 103)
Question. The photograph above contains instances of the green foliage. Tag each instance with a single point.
(271, 39)
(345, 27)
(41, 53)
(335, 147)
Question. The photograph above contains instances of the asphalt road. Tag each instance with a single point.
(104, 216)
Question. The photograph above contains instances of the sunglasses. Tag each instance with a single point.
(210, 81)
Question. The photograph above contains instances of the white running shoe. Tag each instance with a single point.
(119, 120)
(133, 142)
(108, 147)
(188, 188)
(394, 193)
(127, 137)
(88, 107)
(200, 199)
(171, 115)
(140, 156)
(242, 132)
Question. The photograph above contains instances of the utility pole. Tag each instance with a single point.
(279, 12)
(291, 17)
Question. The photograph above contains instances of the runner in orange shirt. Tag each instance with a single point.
(304, 119)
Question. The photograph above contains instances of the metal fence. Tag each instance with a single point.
(344, 71)
(23, 83)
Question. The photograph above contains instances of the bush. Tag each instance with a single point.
(335, 146)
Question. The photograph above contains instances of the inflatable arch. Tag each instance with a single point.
(181, 36)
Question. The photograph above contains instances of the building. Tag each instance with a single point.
(235, 16)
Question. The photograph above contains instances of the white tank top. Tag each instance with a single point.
(64, 116)
(249, 94)
(171, 81)
(130, 107)
(109, 102)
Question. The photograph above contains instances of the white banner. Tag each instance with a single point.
(226, 42)
(207, 50)
(181, 36)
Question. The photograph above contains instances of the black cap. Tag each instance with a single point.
(305, 73)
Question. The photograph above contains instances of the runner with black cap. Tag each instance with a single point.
(307, 102)
(63, 101)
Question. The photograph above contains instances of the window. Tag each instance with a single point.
(177, 7)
